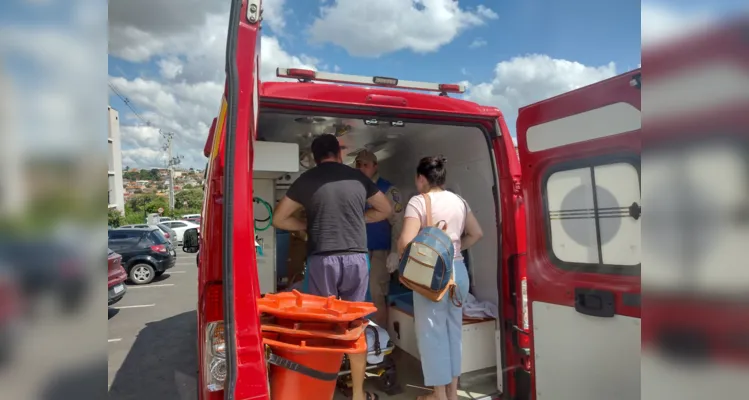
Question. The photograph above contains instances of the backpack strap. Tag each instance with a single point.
(428, 208)
(454, 296)
(428, 212)
(377, 349)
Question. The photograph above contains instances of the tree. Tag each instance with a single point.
(131, 175)
(114, 218)
(193, 197)
(150, 202)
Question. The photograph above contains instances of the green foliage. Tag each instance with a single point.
(139, 206)
(148, 202)
(142, 175)
(193, 197)
(115, 218)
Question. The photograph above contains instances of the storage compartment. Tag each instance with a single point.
(399, 145)
(479, 347)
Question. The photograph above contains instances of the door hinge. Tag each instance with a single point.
(517, 187)
(254, 13)
(636, 81)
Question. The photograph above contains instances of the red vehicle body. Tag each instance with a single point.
(697, 311)
(116, 277)
(530, 277)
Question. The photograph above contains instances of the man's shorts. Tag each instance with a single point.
(342, 275)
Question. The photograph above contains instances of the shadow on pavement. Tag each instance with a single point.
(162, 363)
(77, 383)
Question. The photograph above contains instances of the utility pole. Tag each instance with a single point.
(171, 162)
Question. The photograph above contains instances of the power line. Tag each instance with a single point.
(128, 104)
(171, 161)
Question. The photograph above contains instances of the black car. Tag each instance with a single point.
(145, 252)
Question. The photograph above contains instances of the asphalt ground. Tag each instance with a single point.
(152, 344)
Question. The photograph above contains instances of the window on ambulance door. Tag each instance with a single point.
(593, 216)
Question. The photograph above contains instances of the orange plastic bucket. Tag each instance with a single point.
(306, 307)
(346, 331)
(322, 355)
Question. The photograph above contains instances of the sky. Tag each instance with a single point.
(166, 57)
(169, 62)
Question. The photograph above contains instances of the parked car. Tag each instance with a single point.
(11, 312)
(194, 220)
(188, 217)
(167, 231)
(146, 253)
(116, 277)
(46, 267)
(179, 227)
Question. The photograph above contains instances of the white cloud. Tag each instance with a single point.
(58, 100)
(486, 12)
(391, 25)
(660, 22)
(274, 15)
(478, 42)
(170, 67)
(531, 78)
(190, 57)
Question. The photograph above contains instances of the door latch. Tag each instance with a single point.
(596, 303)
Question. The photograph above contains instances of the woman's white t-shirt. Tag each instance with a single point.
(446, 206)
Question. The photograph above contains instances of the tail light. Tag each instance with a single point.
(159, 248)
(215, 356)
(214, 343)
(166, 235)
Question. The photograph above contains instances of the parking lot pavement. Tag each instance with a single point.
(152, 341)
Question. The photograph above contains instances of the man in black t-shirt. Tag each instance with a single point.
(334, 197)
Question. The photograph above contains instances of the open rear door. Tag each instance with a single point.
(580, 157)
(246, 368)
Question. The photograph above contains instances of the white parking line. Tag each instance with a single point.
(138, 306)
(175, 272)
(149, 286)
(114, 340)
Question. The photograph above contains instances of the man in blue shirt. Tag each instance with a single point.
(382, 238)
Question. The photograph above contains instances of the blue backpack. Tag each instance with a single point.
(426, 266)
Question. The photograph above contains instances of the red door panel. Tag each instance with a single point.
(580, 162)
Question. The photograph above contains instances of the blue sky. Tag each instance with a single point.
(588, 31)
(168, 60)
(172, 70)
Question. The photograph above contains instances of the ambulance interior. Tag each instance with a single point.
(282, 152)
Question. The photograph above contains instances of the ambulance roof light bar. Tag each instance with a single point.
(308, 75)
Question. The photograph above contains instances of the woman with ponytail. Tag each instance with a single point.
(439, 325)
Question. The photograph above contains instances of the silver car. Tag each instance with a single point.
(167, 231)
